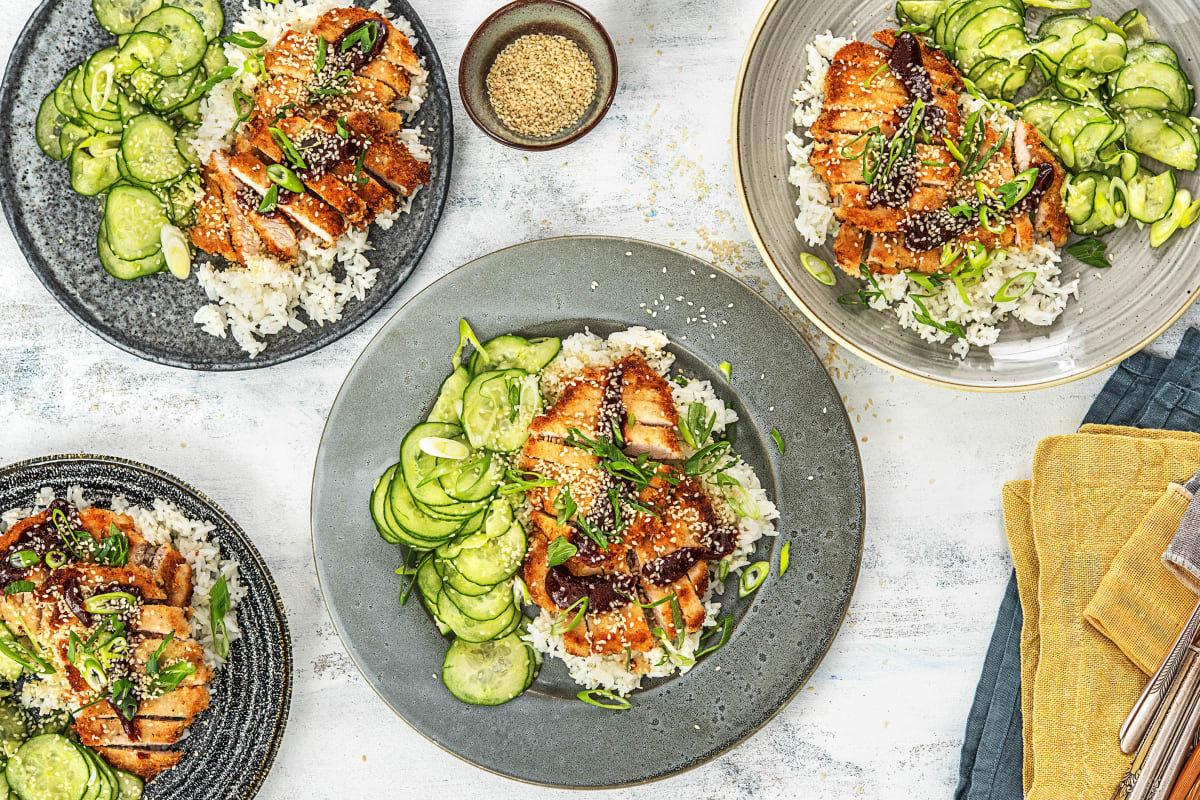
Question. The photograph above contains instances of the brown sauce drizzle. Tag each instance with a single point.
(604, 592)
(673, 566)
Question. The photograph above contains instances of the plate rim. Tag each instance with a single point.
(829, 330)
(39, 264)
(281, 720)
(747, 734)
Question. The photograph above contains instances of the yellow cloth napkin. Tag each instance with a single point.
(1090, 495)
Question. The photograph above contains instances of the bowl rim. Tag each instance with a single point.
(499, 135)
(829, 330)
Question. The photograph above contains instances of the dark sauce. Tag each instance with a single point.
(604, 592)
(40, 538)
(671, 567)
(323, 151)
(926, 230)
(354, 57)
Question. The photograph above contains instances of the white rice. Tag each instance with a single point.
(162, 523)
(586, 349)
(980, 315)
(266, 297)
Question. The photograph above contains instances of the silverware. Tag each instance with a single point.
(1124, 789)
(1133, 731)
(1163, 741)
(1179, 753)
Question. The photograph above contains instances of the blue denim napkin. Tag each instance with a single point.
(1144, 392)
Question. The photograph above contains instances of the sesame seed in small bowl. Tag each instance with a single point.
(538, 74)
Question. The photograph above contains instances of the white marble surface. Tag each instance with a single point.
(883, 716)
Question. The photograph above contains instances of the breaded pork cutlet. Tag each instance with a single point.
(652, 567)
(893, 177)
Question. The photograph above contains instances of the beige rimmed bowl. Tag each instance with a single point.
(1118, 311)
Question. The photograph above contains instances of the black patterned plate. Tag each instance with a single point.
(231, 746)
(152, 317)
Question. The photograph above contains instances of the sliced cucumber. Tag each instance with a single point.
(498, 407)
(139, 50)
(148, 147)
(94, 164)
(1153, 51)
(515, 352)
(62, 94)
(452, 577)
(188, 41)
(475, 481)
(1163, 77)
(448, 406)
(496, 559)
(48, 767)
(208, 13)
(488, 673)
(1152, 134)
(418, 466)
(1151, 196)
(49, 127)
(214, 58)
(129, 786)
(473, 630)
(127, 270)
(413, 519)
(485, 607)
(1141, 97)
(176, 91)
(120, 16)
(133, 221)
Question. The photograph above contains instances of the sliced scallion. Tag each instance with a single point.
(818, 269)
(283, 176)
(441, 447)
(1015, 287)
(725, 626)
(726, 369)
(778, 439)
(580, 607)
(753, 577)
(602, 698)
(110, 603)
(784, 557)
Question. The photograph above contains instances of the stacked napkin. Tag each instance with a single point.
(1091, 610)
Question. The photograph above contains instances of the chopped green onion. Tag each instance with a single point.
(977, 255)
(19, 587)
(24, 559)
(93, 672)
(11, 647)
(466, 334)
(523, 481)
(342, 130)
(737, 497)
(753, 578)
(818, 269)
(110, 603)
(725, 626)
(319, 58)
(867, 83)
(564, 505)
(778, 439)
(247, 39)
(358, 177)
(706, 459)
(723, 568)
(289, 149)
(102, 86)
(843, 152)
(608, 700)
(954, 151)
(1021, 284)
(270, 200)
(986, 213)
(726, 369)
(283, 176)
(560, 551)
(55, 559)
(169, 678)
(581, 604)
(950, 253)
(218, 607)
(784, 557)
(364, 37)
(152, 662)
(441, 447)
(922, 281)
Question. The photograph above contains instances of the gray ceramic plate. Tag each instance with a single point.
(231, 747)
(152, 317)
(1115, 315)
(559, 287)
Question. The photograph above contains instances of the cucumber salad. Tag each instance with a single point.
(122, 119)
(558, 477)
(1109, 99)
(450, 501)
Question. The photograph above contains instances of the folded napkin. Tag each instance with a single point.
(1144, 391)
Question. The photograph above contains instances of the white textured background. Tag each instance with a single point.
(883, 716)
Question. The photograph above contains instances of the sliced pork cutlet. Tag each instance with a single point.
(651, 420)
(211, 230)
(589, 559)
(571, 468)
(942, 72)
(889, 255)
(387, 157)
(188, 650)
(295, 56)
(305, 209)
(848, 248)
(161, 619)
(283, 95)
(618, 630)
(936, 167)
(184, 703)
(376, 198)
(140, 761)
(323, 151)
(237, 198)
(1050, 218)
(396, 49)
(578, 406)
(108, 731)
(854, 209)
(535, 570)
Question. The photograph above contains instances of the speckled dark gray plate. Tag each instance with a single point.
(152, 317)
(557, 287)
(231, 746)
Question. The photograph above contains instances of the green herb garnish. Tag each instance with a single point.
(218, 607)
(1091, 252)
(560, 551)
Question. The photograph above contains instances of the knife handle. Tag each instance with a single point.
(1133, 730)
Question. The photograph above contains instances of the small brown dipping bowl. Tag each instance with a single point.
(521, 18)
